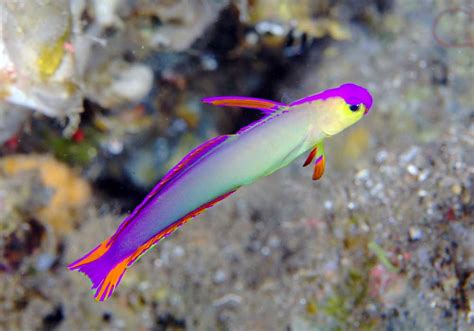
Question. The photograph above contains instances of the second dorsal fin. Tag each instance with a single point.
(191, 158)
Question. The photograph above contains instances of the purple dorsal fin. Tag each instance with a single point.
(191, 158)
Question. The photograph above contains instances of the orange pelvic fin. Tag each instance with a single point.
(310, 157)
(319, 167)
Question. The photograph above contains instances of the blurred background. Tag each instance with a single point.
(98, 99)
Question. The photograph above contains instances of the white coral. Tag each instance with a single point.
(36, 69)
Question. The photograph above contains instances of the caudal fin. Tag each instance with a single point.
(104, 275)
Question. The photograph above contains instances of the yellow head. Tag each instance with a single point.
(339, 108)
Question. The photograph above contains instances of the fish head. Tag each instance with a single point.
(343, 106)
(338, 108)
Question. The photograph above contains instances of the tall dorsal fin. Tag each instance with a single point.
(266, 106)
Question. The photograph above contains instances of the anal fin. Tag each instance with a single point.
(183, 165)
(171, 228)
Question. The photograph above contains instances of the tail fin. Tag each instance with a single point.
(104, 276)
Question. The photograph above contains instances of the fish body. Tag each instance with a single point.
(217, 168)
(238, 160)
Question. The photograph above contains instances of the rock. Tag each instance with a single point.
(70, 192)
(37, 70)
(120, 83)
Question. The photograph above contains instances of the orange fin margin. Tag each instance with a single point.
(173, 227)
(186, 162)
(105, 289)
(104, 276)
(106, 286)
(95, 254)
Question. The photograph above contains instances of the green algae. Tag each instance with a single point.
(382, 256)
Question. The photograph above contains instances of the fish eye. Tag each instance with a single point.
(354, 108)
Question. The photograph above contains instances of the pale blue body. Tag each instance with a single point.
(240, 160)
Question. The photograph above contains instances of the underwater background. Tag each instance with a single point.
(98, 99)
